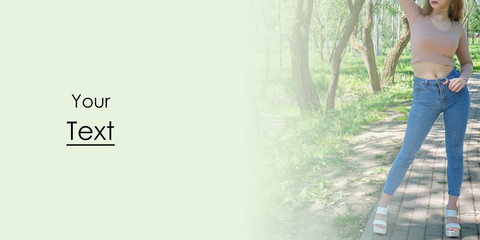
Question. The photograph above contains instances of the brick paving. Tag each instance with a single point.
(416, 209)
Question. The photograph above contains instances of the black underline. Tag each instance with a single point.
(90, 144)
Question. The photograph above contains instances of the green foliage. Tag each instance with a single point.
(474, 17)
(475, 53)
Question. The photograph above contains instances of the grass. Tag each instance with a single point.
(404, 110)
(297, 149)
(349, 225)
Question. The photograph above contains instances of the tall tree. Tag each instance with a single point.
(337, 55)
(399, 19)
(366, 49)
(380, 32)
(393, 30)
(467, 19)
(321, 25)
(305, 94)
(473, 4)
(391, 61)
(375, 33)
(474, 19)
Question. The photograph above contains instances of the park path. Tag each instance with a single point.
(416, 209)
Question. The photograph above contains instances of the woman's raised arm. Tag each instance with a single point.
(410, 8)
(464, 57)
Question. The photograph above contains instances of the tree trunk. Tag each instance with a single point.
(474, 3)
(367, 52)
(468, 33)
(380, 32)
(375, 33)
(319, 45)
(322, 42)
(393, 30)
(391, 61)
(337, 36)
(339, 50)
(327, 46)
(304, 89)
(399, 18)
(321, 37)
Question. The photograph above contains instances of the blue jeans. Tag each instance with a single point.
(430, 98)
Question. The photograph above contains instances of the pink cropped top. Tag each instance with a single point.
(430, 44)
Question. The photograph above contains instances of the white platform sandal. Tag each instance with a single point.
(451, 213)
(379, 230)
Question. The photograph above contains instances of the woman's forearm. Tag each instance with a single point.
(466, 71)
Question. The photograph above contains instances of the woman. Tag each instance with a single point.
(436, 35)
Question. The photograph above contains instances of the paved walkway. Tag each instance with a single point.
(416, 209)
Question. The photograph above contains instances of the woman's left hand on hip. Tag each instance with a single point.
(456, 84)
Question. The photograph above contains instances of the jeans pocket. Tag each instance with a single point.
(418, 87)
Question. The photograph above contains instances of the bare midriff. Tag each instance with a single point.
(430, 70)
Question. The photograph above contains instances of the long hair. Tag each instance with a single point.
(455, 11)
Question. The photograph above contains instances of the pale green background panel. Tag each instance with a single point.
(175, 73)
